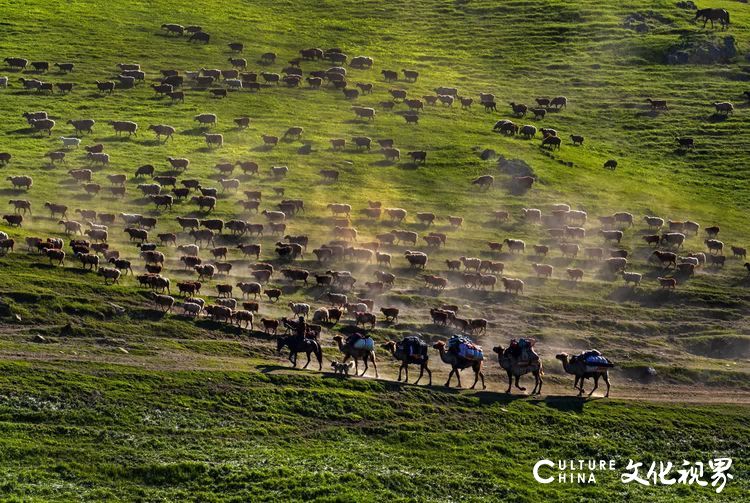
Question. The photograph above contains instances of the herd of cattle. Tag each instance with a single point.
(205, 252)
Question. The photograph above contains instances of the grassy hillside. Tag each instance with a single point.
(221, 416)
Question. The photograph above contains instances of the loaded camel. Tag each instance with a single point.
(356, 354)
(577, 367)
(514, 367)
(458, 364)
(399, 354)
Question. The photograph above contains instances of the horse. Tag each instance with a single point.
(298, 345)
(721, 15)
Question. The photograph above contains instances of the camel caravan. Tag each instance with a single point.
(459, 352)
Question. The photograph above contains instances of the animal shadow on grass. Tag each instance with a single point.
(624, 293)
(383, 163)
(268, 368)
(47, 266)
(196, 131)
(21, 131)
(409, 166)
(96, 95)
(262, 148)
(83, 196)
(717, 117)
(515, 188)
(648, 113)
(12, 192)
(494, 397)
(150, 143)
(563, 403)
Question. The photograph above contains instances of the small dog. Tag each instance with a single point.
(341, 368)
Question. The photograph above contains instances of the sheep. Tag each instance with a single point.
(686, 143)
(724, 108)
(552, 142)
(165, 303)
(575, 274)
(88, 260)
(575, 232)
(214, 139)
(664, 257)
(611, 235)
(21, 205)
(229, 184)
(364, 112)
(273, 294)
(714, 246)
(416, 259)
(667, 282)
(610, 164)
(484, 182)
(577, 139)
(528, 131)
(631, 277)
(426, 218)
(109, 273)
(569, 249)
(689, 260)
(519, 109)
(653, 222)
(712, 231)
(515, 245)
(71, 226)
(97, 234)
(300, 309)
(543, 270)
(717, 260)
(657, 104)
(616, 264)
(739, 252)
(43, 125)
(512, 285)
(98, 158)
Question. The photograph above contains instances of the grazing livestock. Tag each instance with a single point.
(632, 277)
(162, 130)
(714, 246)
(512, 285)
(82, 125)
(686, 143)
(575, 274)
(484, 182)
(199, 36)
(213, 139)
(21, 182)
(124, 127)
(668, 283)
(42, 125)
(105, 87)
(657, 104)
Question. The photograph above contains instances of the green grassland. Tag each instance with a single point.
(124, 403)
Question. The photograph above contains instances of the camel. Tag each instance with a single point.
(578, 369)
(511, 365)
(458, 364)
(297, 345)
(406, 360)
(357, 354)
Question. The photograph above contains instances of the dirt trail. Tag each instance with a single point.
(554, 386)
